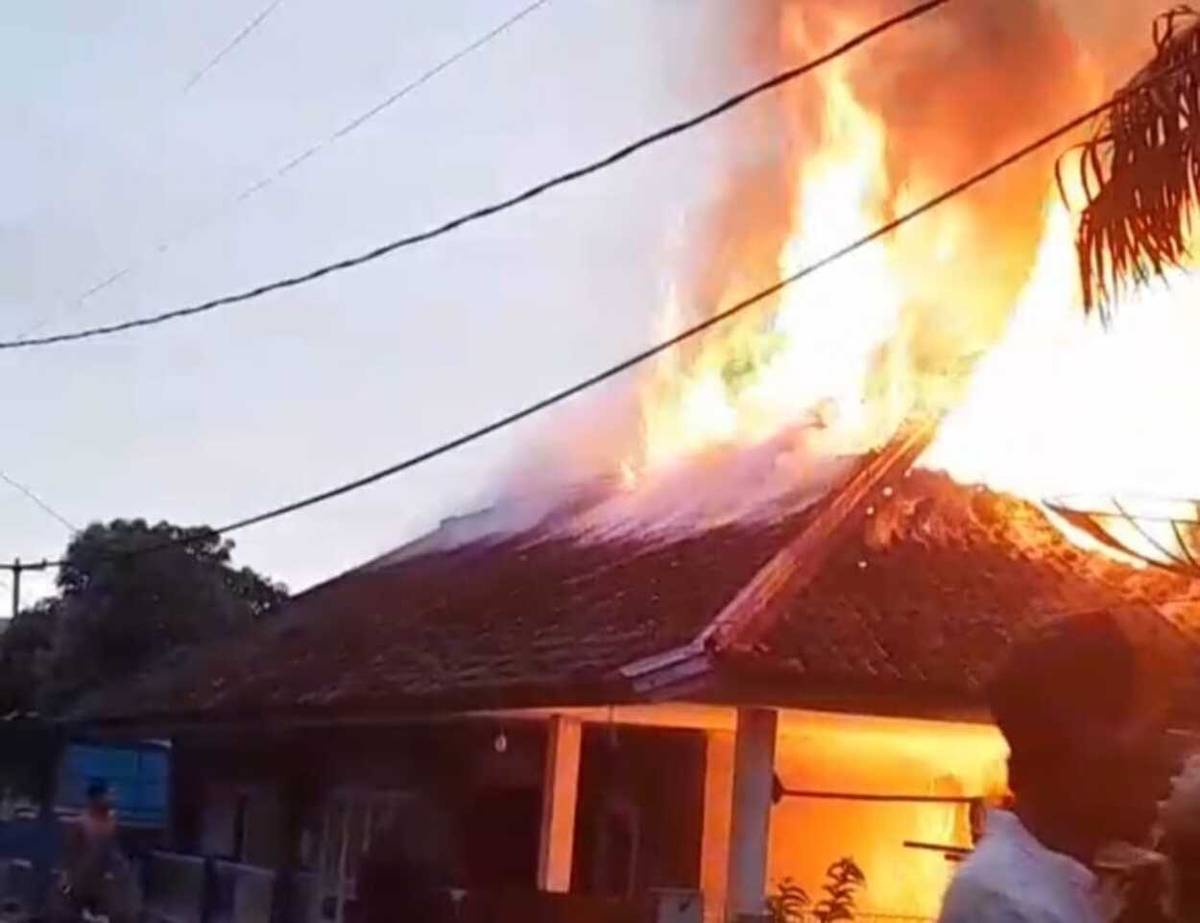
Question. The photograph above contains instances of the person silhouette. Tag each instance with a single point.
(1086, 767)
(97, 878)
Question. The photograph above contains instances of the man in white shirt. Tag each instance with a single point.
(1074, 703)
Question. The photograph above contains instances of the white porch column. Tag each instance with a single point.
(753, 774)
(714, 840)
(560, 791)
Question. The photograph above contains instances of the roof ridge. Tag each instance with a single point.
(748, 615)
(750, 612)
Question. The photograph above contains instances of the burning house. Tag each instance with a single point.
(756, 642)
(710, 712)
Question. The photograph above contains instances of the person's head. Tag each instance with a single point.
(98, 796)
(1075, 704)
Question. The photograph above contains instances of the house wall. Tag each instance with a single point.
(452, 792)
(638, 825)
(882, 756)
(244, 823)
(218, 819)
(658, 757)
(834, 752)
(263, 834)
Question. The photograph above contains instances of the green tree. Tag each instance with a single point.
(25, 649)
(129, 592)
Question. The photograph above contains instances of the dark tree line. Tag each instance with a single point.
(128, 593)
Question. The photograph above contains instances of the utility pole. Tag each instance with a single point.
(16, 568)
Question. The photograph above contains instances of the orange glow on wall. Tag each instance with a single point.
(880, 756)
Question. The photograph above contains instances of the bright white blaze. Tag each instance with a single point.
(1063, 407)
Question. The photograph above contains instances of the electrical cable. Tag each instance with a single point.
(650, 352)
(485, 211)
(293, 163)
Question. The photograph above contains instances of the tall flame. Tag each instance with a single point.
(813, 356)
(1094, 417)
(1066, 407)
(974, 310)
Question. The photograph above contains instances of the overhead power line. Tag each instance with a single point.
(116, 276)
(233, 43)
(288, 166)
(414, 84)
(486, 211)
(38, 502)
(650, 352)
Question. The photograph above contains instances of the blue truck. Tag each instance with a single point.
(137, 775)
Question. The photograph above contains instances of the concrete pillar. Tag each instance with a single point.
(560, 791)
(714, 838)
(753, 775)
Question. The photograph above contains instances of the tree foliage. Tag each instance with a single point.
(129, 592)
(1140, 171)
(25, 649)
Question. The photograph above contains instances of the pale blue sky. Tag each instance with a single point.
(209, 419)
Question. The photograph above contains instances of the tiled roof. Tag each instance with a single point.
(936, 582)
(919, 599)
(531, 618)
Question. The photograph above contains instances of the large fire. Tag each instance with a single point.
(815, 354)
(972, 311)
(1099, 419)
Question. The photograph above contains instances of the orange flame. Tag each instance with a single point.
(814, 357)
(1056, 405)
(1064, 408)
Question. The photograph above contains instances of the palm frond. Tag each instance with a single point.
(1140, 172)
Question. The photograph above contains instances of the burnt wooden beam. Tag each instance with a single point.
(753, 611)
